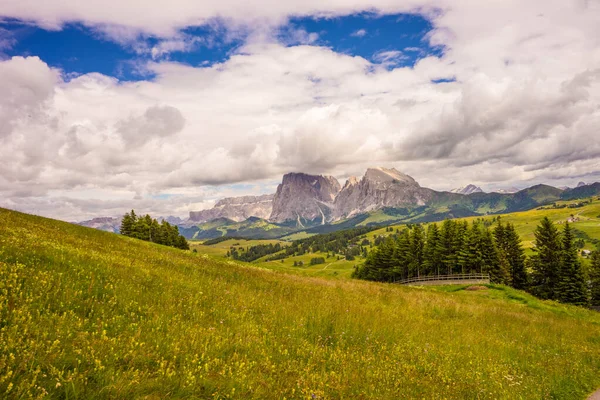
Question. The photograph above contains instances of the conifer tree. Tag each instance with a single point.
(417, 246)
(403, 256)
(448, 241)
(431, 251)
(595, 278)
(182, 243)
(516, 258)
(571, 286)
(495, 265)
(469, 256)
(379, 265)
(147, 228)
(545, 263)
(127, 223)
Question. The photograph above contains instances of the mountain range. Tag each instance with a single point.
(315, 204)
(469, 189)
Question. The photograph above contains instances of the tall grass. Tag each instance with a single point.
(86, 314)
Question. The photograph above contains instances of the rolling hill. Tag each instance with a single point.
(94, 315)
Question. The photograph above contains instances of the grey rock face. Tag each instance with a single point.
(302, 197)
(236, 208)
(467, 189)
(379, 188)
(171, 220)
(108, 224)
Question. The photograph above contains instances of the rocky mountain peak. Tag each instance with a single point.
(236, 209)
(379, 188)
(382, 175)
(351, 181)
(580, 184)
(304, 198)
(469, 189)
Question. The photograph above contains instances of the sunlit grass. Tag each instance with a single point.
(86, 314)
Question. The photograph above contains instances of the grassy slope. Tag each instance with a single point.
(87, 314)
(332, 267)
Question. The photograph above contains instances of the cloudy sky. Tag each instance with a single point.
(166, 105)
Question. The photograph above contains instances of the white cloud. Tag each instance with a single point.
(389, 57)
(523, 108)
(359, 33)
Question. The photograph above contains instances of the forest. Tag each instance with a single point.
(554, 271)
(149, 229)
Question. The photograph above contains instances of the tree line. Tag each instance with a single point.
(149, 229)
(344, 242)
(553, 272)
(254, 252)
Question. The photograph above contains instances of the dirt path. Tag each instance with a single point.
(595, 395)
(325, 267)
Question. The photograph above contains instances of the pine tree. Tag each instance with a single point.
(571, 285)
(448, 244)
(431, 253)
(182, 243)
(417, 247)
(495, 265)
(403, 256)
(516, 258)
(147, 228)
(470, 256)
(379, 265)
(595, 278)
(127, 223)
(545, 264)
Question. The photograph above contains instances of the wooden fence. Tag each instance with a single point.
(458, 279)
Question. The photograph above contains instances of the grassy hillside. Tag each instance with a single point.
(332, 268)
(253, 227)
(86, 314)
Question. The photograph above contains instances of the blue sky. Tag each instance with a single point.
(400, 40)
(166, 106)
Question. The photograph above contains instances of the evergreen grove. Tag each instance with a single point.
(148, 229)
(553, 272)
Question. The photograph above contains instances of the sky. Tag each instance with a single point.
(167, 106)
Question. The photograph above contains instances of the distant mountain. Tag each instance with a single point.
(581, 192)
(236, 209)
(379, 188)
(316, 204)
(108, 224)
(171, 220)
(252, 227)
(469, 189)
(580, 184)
(306, 199)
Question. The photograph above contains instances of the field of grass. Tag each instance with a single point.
(333, 267)
(86, 314)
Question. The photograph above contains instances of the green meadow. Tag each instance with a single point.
(332, 268)
(86, 314)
